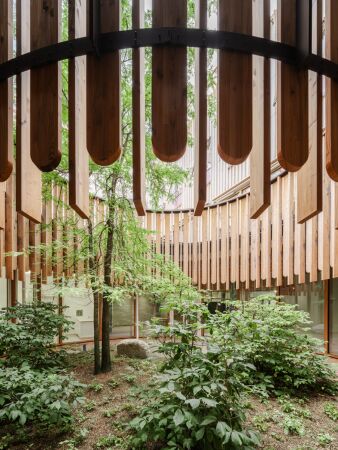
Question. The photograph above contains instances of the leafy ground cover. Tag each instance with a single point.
(246, 378)
(113, 400)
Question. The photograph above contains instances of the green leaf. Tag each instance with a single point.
(193, 402)
(222, 428)
(235, 438)
(208, 420)
(178, 417)
(199, 434)
(209, 402)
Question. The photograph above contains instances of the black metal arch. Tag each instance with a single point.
(164, 37)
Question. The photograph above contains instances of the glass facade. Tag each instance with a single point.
(333, 316)
(310, 298)
(122, 318)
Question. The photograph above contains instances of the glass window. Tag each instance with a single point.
(310, 298)
(147, 311)
(333, 317)
(122, 323)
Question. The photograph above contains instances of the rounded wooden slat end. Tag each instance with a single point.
(233, 158)
(107, 160)
(48, 165)
(174, 154)
(292, 163)
(332, 170)
(6, 171)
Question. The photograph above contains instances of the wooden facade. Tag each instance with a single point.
(243, 94)
(221, 249)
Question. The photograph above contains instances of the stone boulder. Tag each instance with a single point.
(133, 348)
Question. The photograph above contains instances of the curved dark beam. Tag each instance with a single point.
(152, 37)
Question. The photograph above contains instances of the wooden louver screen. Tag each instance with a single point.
(243, 95)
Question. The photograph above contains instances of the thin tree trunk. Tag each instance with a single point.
(106, 360)
(97, 356)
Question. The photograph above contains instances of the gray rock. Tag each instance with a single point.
(133, 348)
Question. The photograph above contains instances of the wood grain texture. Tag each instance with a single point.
(195, 255)
(169, 85)
(10, 229)
(139, 184)
(204, 249)
(278, 243)
(176, 240)
(326, 235)
(292, 97)
(45, 125)
(186, 223)
(103, 94)
(78, 155)
(201, 114)
(234, 85)
(309, 177)
(2, 206)
(260, 154)
(331, 52)
(213, 247)
(28, 176)
(6, 91)
(21, 247)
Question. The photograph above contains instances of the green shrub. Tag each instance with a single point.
(31, 337)
(196, 401)
(331, 411)
(272, 335)
(40, 398)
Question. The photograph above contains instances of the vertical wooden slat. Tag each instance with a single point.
(224, 230)
(309, 177)
(195, 255)
(292, 97)
(290, 227)
(274, 229)
(214, 253)
(138, 115)
(21, 247)
(167, 236)
(234, 85)
(244, 210)
(9, 237)
(2, 205)
(169, 85)
(103, 105)
(326, 235)
(186, 220)
(46, 240)
(176, 237)
(201, 115)
(265, 245)
(234, 253)
(32, 251)
(279, 242)
(57, 234)
(6, 91)
(78, 155)
(302, 254)
(45, 125)
(334, 231)
(331, 52)
(204, 255)
(257, 249)
(314, 250)
(158, 233)
(28, 176)
(260, 154)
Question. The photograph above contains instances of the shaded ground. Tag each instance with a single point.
(112, 400)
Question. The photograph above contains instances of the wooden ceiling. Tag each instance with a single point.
(243, 95)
